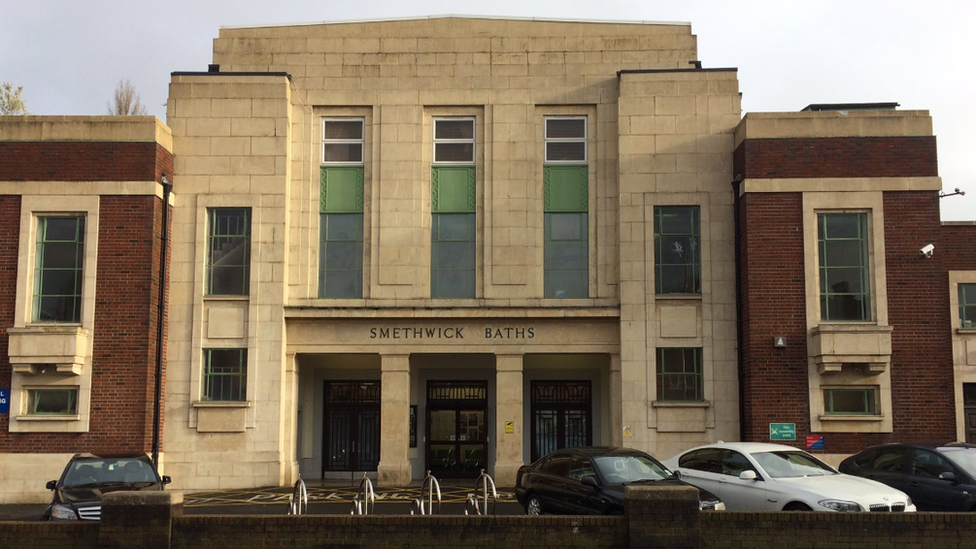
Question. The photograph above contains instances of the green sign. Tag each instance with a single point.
(782, 431)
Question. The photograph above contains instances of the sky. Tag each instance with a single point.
(70, 55)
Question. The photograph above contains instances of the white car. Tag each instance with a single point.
(751, 476)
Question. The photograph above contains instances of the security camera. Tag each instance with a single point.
(926, 250)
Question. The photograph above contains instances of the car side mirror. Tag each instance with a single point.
(166, 479)
(951, 477)
(52, 484)
(747, 475)
(590, 480)
(676, 473)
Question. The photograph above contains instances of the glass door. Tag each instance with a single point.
(561, 416)
(457, 428)
(351, 440)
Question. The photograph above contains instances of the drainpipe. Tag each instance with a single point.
(738, 300)
(158, 390)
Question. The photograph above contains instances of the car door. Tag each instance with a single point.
(552, 485)
(749, 494)
(927, 490)
(890, 467)
(703, 468)
(582, 498)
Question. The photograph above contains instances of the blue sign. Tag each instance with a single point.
(4, 401)
(815, 443)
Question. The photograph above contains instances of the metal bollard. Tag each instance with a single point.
(298, 501)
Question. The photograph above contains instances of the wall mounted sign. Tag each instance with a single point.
(4, 401)
(815, 443)
(509, 427)
(452, 332)
(782, 431)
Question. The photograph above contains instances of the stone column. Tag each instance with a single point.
(509, 453)
(616, 402)
(394, 467)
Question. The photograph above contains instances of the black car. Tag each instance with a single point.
(941, 478)
(78, 493)
(587, 481)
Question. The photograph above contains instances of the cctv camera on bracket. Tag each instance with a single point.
(926, 250)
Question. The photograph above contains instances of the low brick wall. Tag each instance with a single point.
(665, 517)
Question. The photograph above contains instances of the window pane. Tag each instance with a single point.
(850, 401)
(225, 374)
(52, 401)
(344, 227)
(453, 256)
(967, 305)
(677, 250)
(566, 151)
(341, 256)
(843, 269)
(679, 374)
(343, 152)
(453, 129)
(229, 251)
(565, 128)
(58, 269)
(454, 152)
(343, 129)
(566, 255)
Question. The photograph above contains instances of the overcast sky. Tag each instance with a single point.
(69, 55)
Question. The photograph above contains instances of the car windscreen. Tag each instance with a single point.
(108, 471)
(965, 459)
(624, 469)
(788, 464)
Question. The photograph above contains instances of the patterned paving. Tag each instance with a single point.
(279, 495)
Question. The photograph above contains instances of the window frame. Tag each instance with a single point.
(864, 238)
(40, 243)
(437, 141)
(206, 383)
(30, 402)
(696, 262)
(245, 267)
(361, 141)
(873, 390)
(698, 375)
(965, 322)
(582, 139)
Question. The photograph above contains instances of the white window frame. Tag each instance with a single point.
(473, 141)
(361, 141)
(583, 139)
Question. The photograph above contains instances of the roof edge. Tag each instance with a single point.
(458, 16)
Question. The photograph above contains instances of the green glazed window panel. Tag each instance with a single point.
(842, 242)
(851, 401)
(566, 273)
(677, 250)
(58, 271)
(453, 189)
(341, 256)
(566, 188)
(52, 402)
(967, 305)
(453, 256)
(679, 375)
(341, 189)
(225, 375)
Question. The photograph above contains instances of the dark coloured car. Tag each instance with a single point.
(78, 493)
(591, 481)
(939, 478)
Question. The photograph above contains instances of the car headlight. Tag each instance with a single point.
(62, 512)
(711, 505)
(838, 505)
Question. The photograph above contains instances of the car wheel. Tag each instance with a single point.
(533, 506)
(795, 506)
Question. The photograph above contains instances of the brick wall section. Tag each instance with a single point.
(9, 253)
(46, 535)
(124, 351)
(838, 157)
(83, 161)
(958, 247)
(774, 381)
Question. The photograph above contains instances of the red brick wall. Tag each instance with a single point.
(958, 247)
(838, 157)
(9, 252)
(83, 161)
(124, 340)
(773, 290)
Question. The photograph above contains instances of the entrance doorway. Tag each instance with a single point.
(457, 428)
(969, 410)
(351, 437)
(562, 416)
